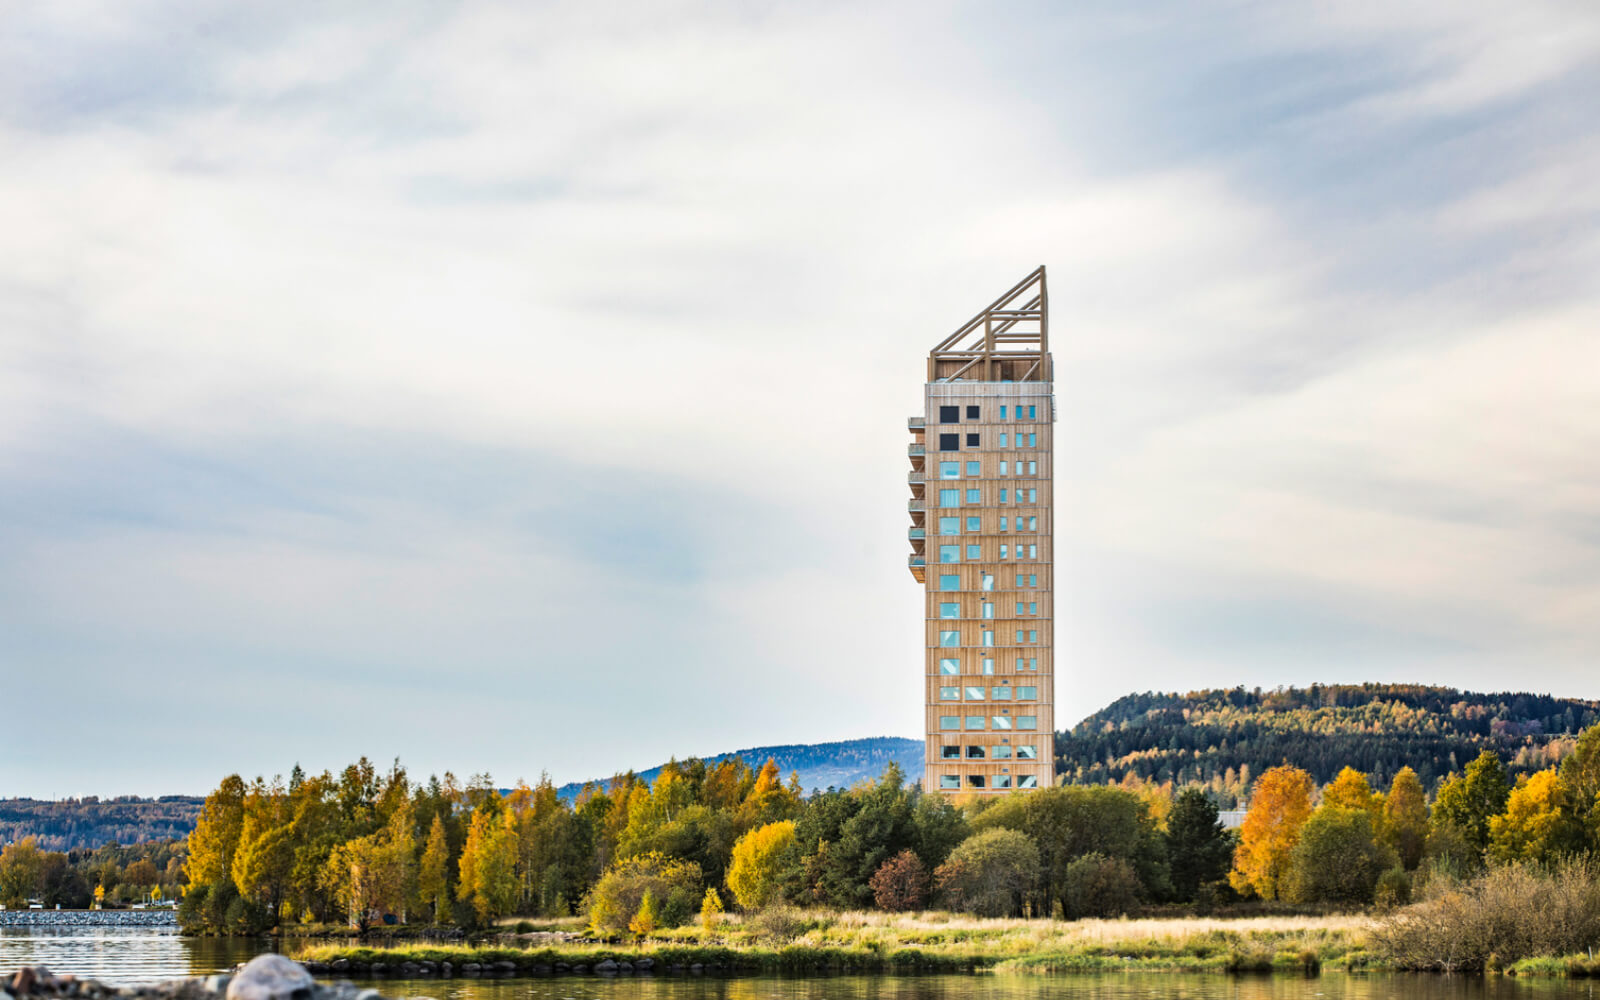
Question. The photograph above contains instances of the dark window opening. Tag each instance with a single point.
(975, 753)
(972, 440)
(972, 413)
(949, 414)
(952, 753)
(974, 781)
(949, 442)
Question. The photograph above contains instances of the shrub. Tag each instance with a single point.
(1504, 915)
(1393, 890)
(990, 873)
(1098, 886)
(901, 883)
(778, 924)
(1338, 858)
(759, 858)
(674, 888)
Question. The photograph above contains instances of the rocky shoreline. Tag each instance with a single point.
(265, 977)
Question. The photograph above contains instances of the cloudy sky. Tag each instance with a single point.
(515, 387)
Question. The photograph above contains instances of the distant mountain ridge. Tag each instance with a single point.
(1224, 737)
(64, 824)
(821, 765)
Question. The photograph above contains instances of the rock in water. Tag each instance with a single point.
(271, 977)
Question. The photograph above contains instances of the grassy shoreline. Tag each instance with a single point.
(929, 942)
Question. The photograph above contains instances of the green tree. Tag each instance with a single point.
(1199, 850)
(1098, 886)
(1581, 774)
(992, 873)
(1470, 801)
(1338, 858)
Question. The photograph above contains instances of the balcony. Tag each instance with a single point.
(915, 559)
(916, 423)
(916, 534)
(916, 478)
(916, 450)
(916, 506)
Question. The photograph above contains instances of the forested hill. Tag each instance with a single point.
(1226, 738)
(90, 822)
(821, 765)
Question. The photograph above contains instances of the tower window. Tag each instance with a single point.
(972, 413)
(974, 781)
(950, 781)
(950, 753)
(972, 440)
(974, 753)
(949, 442)
(949, 414)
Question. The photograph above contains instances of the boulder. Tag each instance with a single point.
(271, 977)
(605, 967)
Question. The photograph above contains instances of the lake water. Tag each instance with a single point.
(136, 955)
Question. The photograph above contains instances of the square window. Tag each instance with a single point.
(975, 694)
(949, 414)
(1002, 781)
(972, 470)
(972, 440)
(974, 752)
(951, 722)
(1027, 722)
(949, 581)
(949, 498)
(949, 694)
(972, 413)
(1000, 692)
(974, 552)
(1027, 751)
(949, 665)
(1000, 753)
(975, 722)
(974, 781)
(1027, 781)
(1002, 721)
(949, 525)
(950, 753)
(951, 638)
(950, 781)
(949, 470)
(950, 610)
(949, 553)
(1027, 693)
(949, 442)
(973, 496)
(988, 665)
(973, 525)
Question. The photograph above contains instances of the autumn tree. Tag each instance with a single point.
(215, 837)
(710, 909)
(1539, 824)
(1405, 818)
(1280, 806)
(433, 889)
(21, 871)
(488, 865)
(673, 885)
(1351, 790)
(901, 883)
(759, 858)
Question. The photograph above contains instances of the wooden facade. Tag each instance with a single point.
(981, 536)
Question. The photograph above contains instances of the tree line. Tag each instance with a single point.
(110, 875)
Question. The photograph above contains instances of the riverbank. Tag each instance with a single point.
(874, 943)
(88, 918)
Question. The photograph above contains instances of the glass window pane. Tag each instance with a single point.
(949, 638)
(949, 665)
(949, 498)
(973, 496)
(975, 722)
(949, 781)
(988, 610)
(1027, 751)
(1027, 692)
(974, 753)
(1027, 722)
(1002, 781)
(972, 468)
(948, 610)
(988, 582)
(949, 581)
(974, 694)
(950, 753)
(949, 525)
(949, 470)
(1000, 693)
(949, 553)
(949, 722)
(974, 781)
(1002, 721)
(974, 552)
(988, 665)
(973, 525)
(949, 694)
(1000, 753)
(1027, 781)
(988, 638)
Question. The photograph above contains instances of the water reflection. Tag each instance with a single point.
(122, 955)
